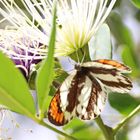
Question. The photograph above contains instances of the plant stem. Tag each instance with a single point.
(107, 131)
(135, 111)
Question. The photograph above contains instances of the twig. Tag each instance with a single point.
(135, 111)
(107, 131)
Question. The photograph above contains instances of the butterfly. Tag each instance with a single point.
(83, 93)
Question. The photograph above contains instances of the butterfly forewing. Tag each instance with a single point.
(83, 93)
(109, 72)
(108, 65)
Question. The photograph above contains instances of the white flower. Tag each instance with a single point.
(78, 21)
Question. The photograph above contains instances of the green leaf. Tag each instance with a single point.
(124, 103)
(60, 74)
(136, 3)
(129, 60)
(46, 72)
(120, 31)
(137, 15)
(100, 44)
(123, 134)
(124, 38)
(14, 91)
(31, 80)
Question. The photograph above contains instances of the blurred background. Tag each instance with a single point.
(124, 23)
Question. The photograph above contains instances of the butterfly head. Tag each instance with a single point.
(81, 70)
(78, 67)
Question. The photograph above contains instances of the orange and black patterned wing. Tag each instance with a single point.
(55, 113)
(62, 106)
(114, 64)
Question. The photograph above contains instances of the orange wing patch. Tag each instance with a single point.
(55, 114)
(114, 64)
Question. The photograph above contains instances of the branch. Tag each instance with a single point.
(107, 131)
(135, 111)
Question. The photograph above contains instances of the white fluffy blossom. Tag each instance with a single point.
(77, 20)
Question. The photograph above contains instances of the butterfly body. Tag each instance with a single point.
(83, 93)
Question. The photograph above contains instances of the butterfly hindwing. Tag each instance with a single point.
(60, 100)
(55, 113)
(94, 102)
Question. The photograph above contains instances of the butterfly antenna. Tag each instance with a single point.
(77, 57)
(84, 54)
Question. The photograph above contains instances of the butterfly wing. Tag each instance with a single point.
(63, 105)
(110, 74)
(92, 99)
(83, 93)
(107, 64)
(104, 75)
(55, 113)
